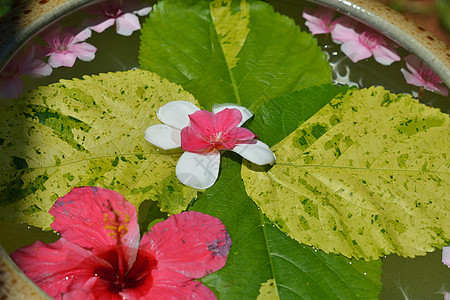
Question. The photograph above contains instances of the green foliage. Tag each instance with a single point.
(87, 132)
(366, 176)
(261, 252)
(228, 51)
(280, 116)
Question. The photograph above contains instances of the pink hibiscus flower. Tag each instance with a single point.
(320, 20)
(99, 255)
(65, 46)
(202, 134)
(362, 43)
(421, 75)
(23, 63)
(122, 13)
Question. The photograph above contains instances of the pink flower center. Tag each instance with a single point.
(113, 9)
(118, 277)
(209, 132)
(370, 39)
(429, 76)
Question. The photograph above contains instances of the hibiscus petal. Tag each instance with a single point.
(97, 218)
(227, 119)
(242, 134)
(84, 51)
(446, 256)
(59, 267)
(176, 113)
(192, 141)
(258, 152)
(100, 24)
(172, 285)
(384, 55)
(190, 243)
(62, 59)
(163, 136)
(199, 171)
(127, 24)
(246, 113)
(202, 121)
(355, 51)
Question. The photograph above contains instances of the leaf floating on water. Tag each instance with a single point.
(261, 252)
(366, 176)
(228, 51)
(87, 132)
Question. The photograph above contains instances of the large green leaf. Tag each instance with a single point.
(228, 51)
(365, 176)
(261, 254)
(278, 117)
(87, 132)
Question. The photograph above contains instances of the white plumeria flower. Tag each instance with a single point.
(202, 134)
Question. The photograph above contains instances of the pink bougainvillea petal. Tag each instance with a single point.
(81, 36)
(100, 24)
(199, 171)
(127, 24)
(355, 51)
(62, 59)
(256, 152)
(227, 119)
(84, 51)
(245, 112)
(192, 141)
(10, 88)
(319, 20)
(385, 55)
(199, 244)
(143, 11)
(412, 78)
(97, 218)
(446, 256)
(173, 285)
(57, 267)
(38, 68)
(163, 136)
(342, 32)
(176, 113)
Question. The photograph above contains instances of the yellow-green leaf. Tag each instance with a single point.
(367, 175)
(87, 132)
(268, 291)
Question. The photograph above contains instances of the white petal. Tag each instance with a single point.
(258, 153)
(246, 113)
(163, 136)
(199, 171)
(176, 113)
(446, 256)
(143, 11)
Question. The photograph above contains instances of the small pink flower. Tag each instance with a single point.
(66, 45)
(362, 44)
(320, 20)
(202, 134)
(123, 14)
(446, 256)
(23, 63)
(99, 255)
(421, 75)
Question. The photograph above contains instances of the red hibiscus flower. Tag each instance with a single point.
(99, 255)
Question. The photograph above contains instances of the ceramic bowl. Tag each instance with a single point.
(30, 17)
